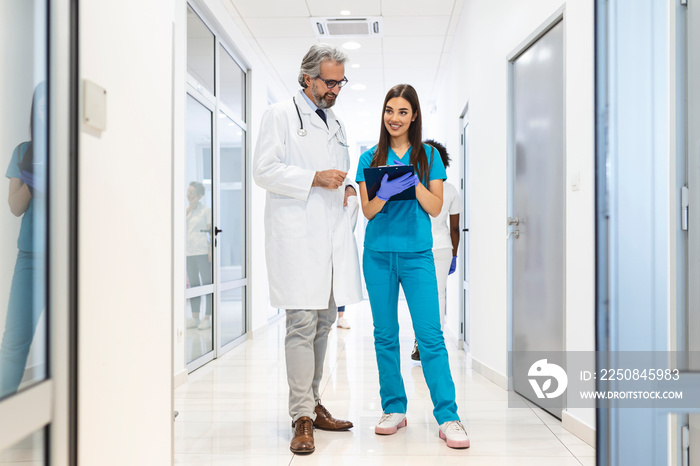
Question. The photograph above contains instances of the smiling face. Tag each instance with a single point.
(398, 116)
(318, 91)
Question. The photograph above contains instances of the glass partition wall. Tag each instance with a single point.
(215, 171)
(36, 223)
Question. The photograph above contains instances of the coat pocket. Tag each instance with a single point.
(287, 217)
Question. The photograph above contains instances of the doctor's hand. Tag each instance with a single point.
(398, 162)
(349, 191)
(329, 179)
(398, 185)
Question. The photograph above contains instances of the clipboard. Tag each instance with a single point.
(374, 175)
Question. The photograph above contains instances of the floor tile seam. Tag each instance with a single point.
(559, 440)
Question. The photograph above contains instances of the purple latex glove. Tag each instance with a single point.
(32, 180)
(398, 185)
(453, 265)
(27, 177)
(398, 162)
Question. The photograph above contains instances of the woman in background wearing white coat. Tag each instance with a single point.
(445, 228)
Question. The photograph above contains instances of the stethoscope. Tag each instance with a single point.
(302, 132)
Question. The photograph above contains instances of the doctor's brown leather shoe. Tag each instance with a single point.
(303, 441)
(325, 421)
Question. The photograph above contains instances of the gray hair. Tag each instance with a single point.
(317, 54)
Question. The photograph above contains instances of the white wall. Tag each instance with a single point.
(131, 264)
(125, 286)
(476, 72)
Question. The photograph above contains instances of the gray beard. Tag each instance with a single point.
(318, 98)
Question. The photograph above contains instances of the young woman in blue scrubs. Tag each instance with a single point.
(398, 250)
(27, 199)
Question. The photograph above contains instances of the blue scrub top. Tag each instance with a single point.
(401, 226)
(26, 241)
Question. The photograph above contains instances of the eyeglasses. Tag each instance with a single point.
(331, 83)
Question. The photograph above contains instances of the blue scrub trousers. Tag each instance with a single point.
(415, 271)
(23, 311)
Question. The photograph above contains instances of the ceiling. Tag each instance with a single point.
(413, 49)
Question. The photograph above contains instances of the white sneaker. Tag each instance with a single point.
(343, 323)
(454, 434)
(205, 323)
(192, 322)
(390, 423)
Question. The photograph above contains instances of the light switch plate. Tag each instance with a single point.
(94, 106)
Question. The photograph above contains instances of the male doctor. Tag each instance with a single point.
(301, 159)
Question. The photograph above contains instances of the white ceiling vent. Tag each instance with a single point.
(344, 27)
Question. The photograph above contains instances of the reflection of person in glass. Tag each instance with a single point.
(198, 252)
(27, 176)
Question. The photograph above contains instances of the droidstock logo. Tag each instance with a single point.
(543, 370)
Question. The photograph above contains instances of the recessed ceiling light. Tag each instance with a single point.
(355, 65)
(351, 45)
(345, 12)
(358, 87)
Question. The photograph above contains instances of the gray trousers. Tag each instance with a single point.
(305, 351)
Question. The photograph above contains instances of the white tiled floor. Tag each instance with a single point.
(234, 410)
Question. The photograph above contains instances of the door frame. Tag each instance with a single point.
(463, 341)
(637, 176)
(687, 26)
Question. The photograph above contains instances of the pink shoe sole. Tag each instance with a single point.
(455, 443)
(389, 430)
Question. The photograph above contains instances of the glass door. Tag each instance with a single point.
(230, 232)
(216, 184)
(199, 286)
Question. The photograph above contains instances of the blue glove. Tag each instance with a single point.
(398, 162)
(453, 265)
(31, 180)
(398, 185)
(27, 177)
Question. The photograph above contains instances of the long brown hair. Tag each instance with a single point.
(38, 134)
(415, 131)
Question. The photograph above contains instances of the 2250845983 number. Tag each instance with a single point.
(638, 374)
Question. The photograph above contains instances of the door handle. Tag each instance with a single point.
(217, 231)
(465, 229)
(515, 233)
(513, 221)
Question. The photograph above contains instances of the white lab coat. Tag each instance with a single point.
(309, 241)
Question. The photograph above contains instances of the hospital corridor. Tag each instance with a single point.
(233, 411)
(386, 232)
